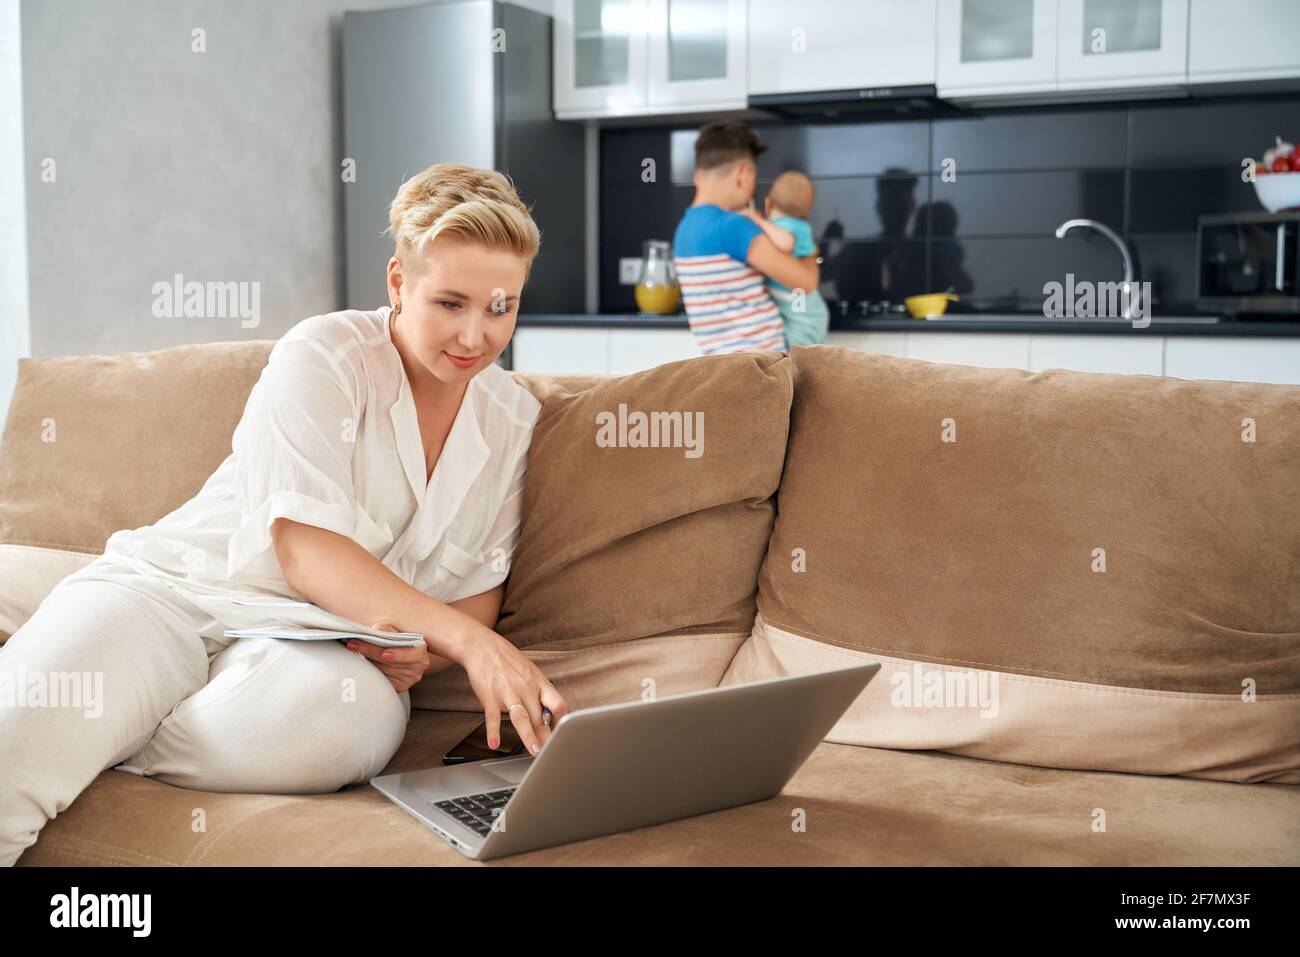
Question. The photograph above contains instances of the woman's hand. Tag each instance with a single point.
(403, 667)
(505, 680)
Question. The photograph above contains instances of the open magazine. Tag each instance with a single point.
(304, 621)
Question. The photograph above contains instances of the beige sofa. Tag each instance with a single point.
(1084, 590)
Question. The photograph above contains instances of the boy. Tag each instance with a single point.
(722, 255)
(787, 208)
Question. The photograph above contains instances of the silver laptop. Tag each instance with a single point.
(629, 765)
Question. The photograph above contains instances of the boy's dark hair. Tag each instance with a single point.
(724, 142)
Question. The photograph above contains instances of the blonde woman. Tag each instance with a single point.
(377, 472)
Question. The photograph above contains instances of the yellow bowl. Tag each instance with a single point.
(931, 304)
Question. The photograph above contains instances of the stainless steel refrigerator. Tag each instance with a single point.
(460, 82)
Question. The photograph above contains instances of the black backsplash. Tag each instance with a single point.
(890, 226)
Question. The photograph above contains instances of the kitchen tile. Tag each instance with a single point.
(1082, 139)
(643, 211)
(1026, 203)
(1149, 169)
(1010, 273)
(874, 270)
(1210, 133)
(1169, 264)
(623, 152)
(858, 207)
(681, 149)
(1171, 200)
(844, 149)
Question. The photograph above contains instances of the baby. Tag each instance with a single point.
(787, 207)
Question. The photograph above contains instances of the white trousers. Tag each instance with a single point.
(137, 678)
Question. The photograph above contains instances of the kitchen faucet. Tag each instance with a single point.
(1115, 238)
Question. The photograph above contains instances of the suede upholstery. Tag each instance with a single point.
(969, 558)
(1101, 552)
(863, 806)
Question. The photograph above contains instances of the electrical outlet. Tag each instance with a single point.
(629, 271)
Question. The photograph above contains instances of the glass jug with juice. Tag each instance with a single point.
(657, 290)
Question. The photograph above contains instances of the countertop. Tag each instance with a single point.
(1160, 326)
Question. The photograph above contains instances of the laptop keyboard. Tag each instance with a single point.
(477, 811)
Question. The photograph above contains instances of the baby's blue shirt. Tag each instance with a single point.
(808, 326)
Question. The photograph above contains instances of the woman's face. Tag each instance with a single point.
(459, 308)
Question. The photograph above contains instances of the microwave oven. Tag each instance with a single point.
(1248, 263)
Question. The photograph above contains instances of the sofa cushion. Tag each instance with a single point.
(27, 574)
(624, 542)
(93, 444)
(1063, 569)
(862, 806)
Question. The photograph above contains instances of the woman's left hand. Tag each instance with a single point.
(403, 667)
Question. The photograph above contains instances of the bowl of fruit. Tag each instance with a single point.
(1277, 177)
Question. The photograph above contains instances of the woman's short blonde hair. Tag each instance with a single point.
(475, 205)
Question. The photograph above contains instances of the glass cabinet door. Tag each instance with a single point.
(1136, 40)
(600, 48)
(697, 52)
(997, 46)
(697, 40)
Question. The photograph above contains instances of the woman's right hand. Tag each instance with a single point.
(502, 677)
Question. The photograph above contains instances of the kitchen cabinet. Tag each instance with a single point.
(1184, 357)
(632, 350)
(589, 351)
(832, 45)
(560, 351)
(995, 350)
(996, 47)
(646, 57)
(697, 54)
(1236, 40)
(884, 343)
(992, 349)
(1243, 360)
(1121, 44)
(582, 350)
(1126, 355)
(600, 51)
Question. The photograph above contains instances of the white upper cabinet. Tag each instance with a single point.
(1121, 44)
(996, 47)
(833, 45)
(696, 55)
(1236, 40)
(660, 57)
(600, 57)
(638, 57)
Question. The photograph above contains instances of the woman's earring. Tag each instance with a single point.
(397, 308)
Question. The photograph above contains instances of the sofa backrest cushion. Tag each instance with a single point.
(93, 444)
(633, 563)
(1106, 567)
(636, 566)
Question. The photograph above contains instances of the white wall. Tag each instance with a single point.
(15, 337)
(222, 166)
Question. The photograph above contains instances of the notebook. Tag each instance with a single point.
(304, 621)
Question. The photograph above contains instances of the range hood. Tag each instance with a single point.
(860, 103)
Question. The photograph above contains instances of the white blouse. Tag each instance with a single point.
(330, 437)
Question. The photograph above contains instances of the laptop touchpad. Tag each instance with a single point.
(511, 771)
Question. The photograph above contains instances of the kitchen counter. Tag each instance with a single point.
(1160, 326)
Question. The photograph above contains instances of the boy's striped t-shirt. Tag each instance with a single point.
(726, 300)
